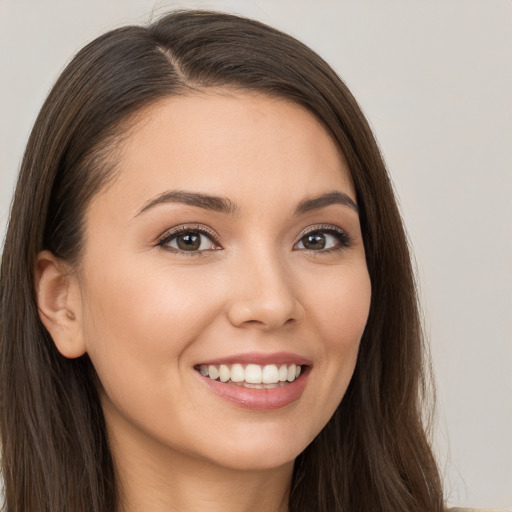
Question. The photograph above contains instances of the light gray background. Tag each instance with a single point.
(435, 79)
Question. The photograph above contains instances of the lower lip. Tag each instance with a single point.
(259, 399)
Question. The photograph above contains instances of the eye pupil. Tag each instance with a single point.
(188, 241)
(314, 241)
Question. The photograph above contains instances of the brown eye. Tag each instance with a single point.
(323, 240)
(314, 241)
(188, 240)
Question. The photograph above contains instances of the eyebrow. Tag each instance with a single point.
(205, 201)
(324, 200)
(225, 205)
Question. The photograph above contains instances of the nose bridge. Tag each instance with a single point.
(264, 293)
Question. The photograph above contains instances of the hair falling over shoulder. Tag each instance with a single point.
(373, 454)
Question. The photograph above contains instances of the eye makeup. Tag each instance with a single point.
(316, 235)
(190, 240)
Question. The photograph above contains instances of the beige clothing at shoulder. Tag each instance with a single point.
(476, 510)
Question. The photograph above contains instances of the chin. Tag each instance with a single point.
(261, 459)
(265, 450)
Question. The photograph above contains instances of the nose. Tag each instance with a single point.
(264, 295)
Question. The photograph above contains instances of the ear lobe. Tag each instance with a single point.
(59, 304)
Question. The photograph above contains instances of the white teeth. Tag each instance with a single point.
(224, 373)
(237, 373)
(291, 373)
(253, 375)
(259, 386)
(214, 372)
(270, 374)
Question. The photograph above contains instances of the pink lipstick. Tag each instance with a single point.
(256, 381)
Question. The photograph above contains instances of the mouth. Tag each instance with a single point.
(252, 376)
(256, 381)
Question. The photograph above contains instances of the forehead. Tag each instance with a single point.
(235, 144)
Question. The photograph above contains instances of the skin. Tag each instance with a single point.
(146, 314)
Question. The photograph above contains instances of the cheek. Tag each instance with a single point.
(340, 308)
(138, 322)
(338, 313)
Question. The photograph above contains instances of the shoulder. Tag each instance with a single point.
(475, 510)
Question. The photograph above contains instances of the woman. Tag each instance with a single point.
(207, 297)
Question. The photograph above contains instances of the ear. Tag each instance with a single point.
(59, 304)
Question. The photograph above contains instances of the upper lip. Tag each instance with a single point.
(260, 358)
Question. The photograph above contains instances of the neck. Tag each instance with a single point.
(156, 479)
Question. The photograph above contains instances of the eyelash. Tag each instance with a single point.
(174, 233)
(343, 238)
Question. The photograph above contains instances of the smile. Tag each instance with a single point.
(257, 381)
(252, 376)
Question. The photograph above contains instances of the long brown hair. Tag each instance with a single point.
(373, 454)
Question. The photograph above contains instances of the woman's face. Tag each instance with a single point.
(227, 248)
